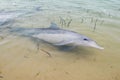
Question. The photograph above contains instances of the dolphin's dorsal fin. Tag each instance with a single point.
(53, 26)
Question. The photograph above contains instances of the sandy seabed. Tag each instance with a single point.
(20, 60)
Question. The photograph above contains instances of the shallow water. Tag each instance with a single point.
(19, 58)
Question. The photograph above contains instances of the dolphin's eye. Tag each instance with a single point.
(85, 39)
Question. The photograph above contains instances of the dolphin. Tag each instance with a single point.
(8, 17)
(57, 36)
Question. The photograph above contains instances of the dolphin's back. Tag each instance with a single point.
(50, 35)
(56, 36)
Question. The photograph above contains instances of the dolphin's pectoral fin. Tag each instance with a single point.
(66, 47)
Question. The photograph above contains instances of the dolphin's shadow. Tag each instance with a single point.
(78, 51)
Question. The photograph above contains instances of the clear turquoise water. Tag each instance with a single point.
(103, 10)
(86, 8)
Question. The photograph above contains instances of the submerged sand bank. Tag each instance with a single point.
(19, 60)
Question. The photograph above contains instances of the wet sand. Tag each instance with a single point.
(20, 60)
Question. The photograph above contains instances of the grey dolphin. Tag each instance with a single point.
(58, 37)
(7, 17)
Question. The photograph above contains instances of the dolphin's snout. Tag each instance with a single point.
(99, 47)
(96, 46)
